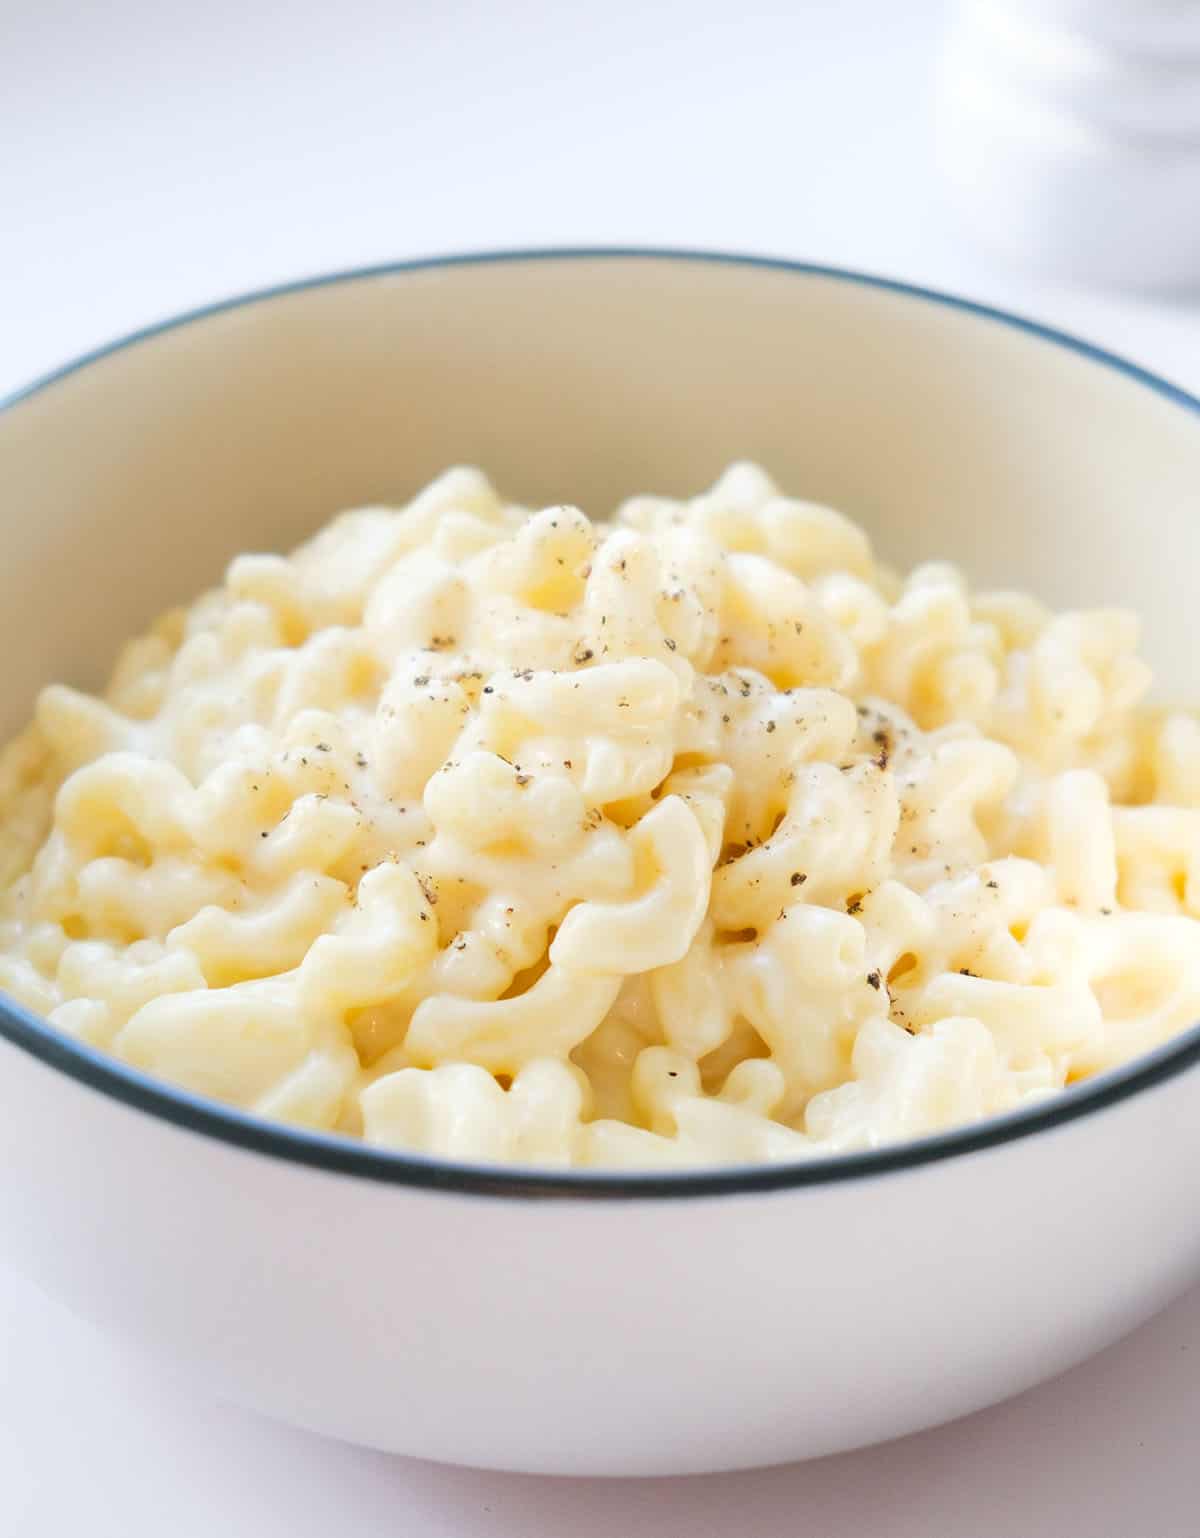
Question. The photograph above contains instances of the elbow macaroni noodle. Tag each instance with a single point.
(695, 837)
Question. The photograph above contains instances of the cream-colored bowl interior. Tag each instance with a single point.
(129, 483)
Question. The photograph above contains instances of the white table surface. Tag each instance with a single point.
(156, 156)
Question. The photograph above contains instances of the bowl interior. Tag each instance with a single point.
(129, 483)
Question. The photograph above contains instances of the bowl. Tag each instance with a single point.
(589, 1322)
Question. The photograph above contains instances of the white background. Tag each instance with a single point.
(155, 156)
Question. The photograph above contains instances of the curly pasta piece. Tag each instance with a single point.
(459, 1111)
(374, 949)
(657, 926)
(241, 1044)
(548, 1020)
(274, 937)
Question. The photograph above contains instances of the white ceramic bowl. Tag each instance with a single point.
(583, 1322)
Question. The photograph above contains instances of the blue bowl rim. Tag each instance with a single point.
(345, 1156)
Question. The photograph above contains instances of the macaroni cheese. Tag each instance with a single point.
(697, 836)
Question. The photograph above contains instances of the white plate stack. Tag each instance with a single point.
(1069, 131)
